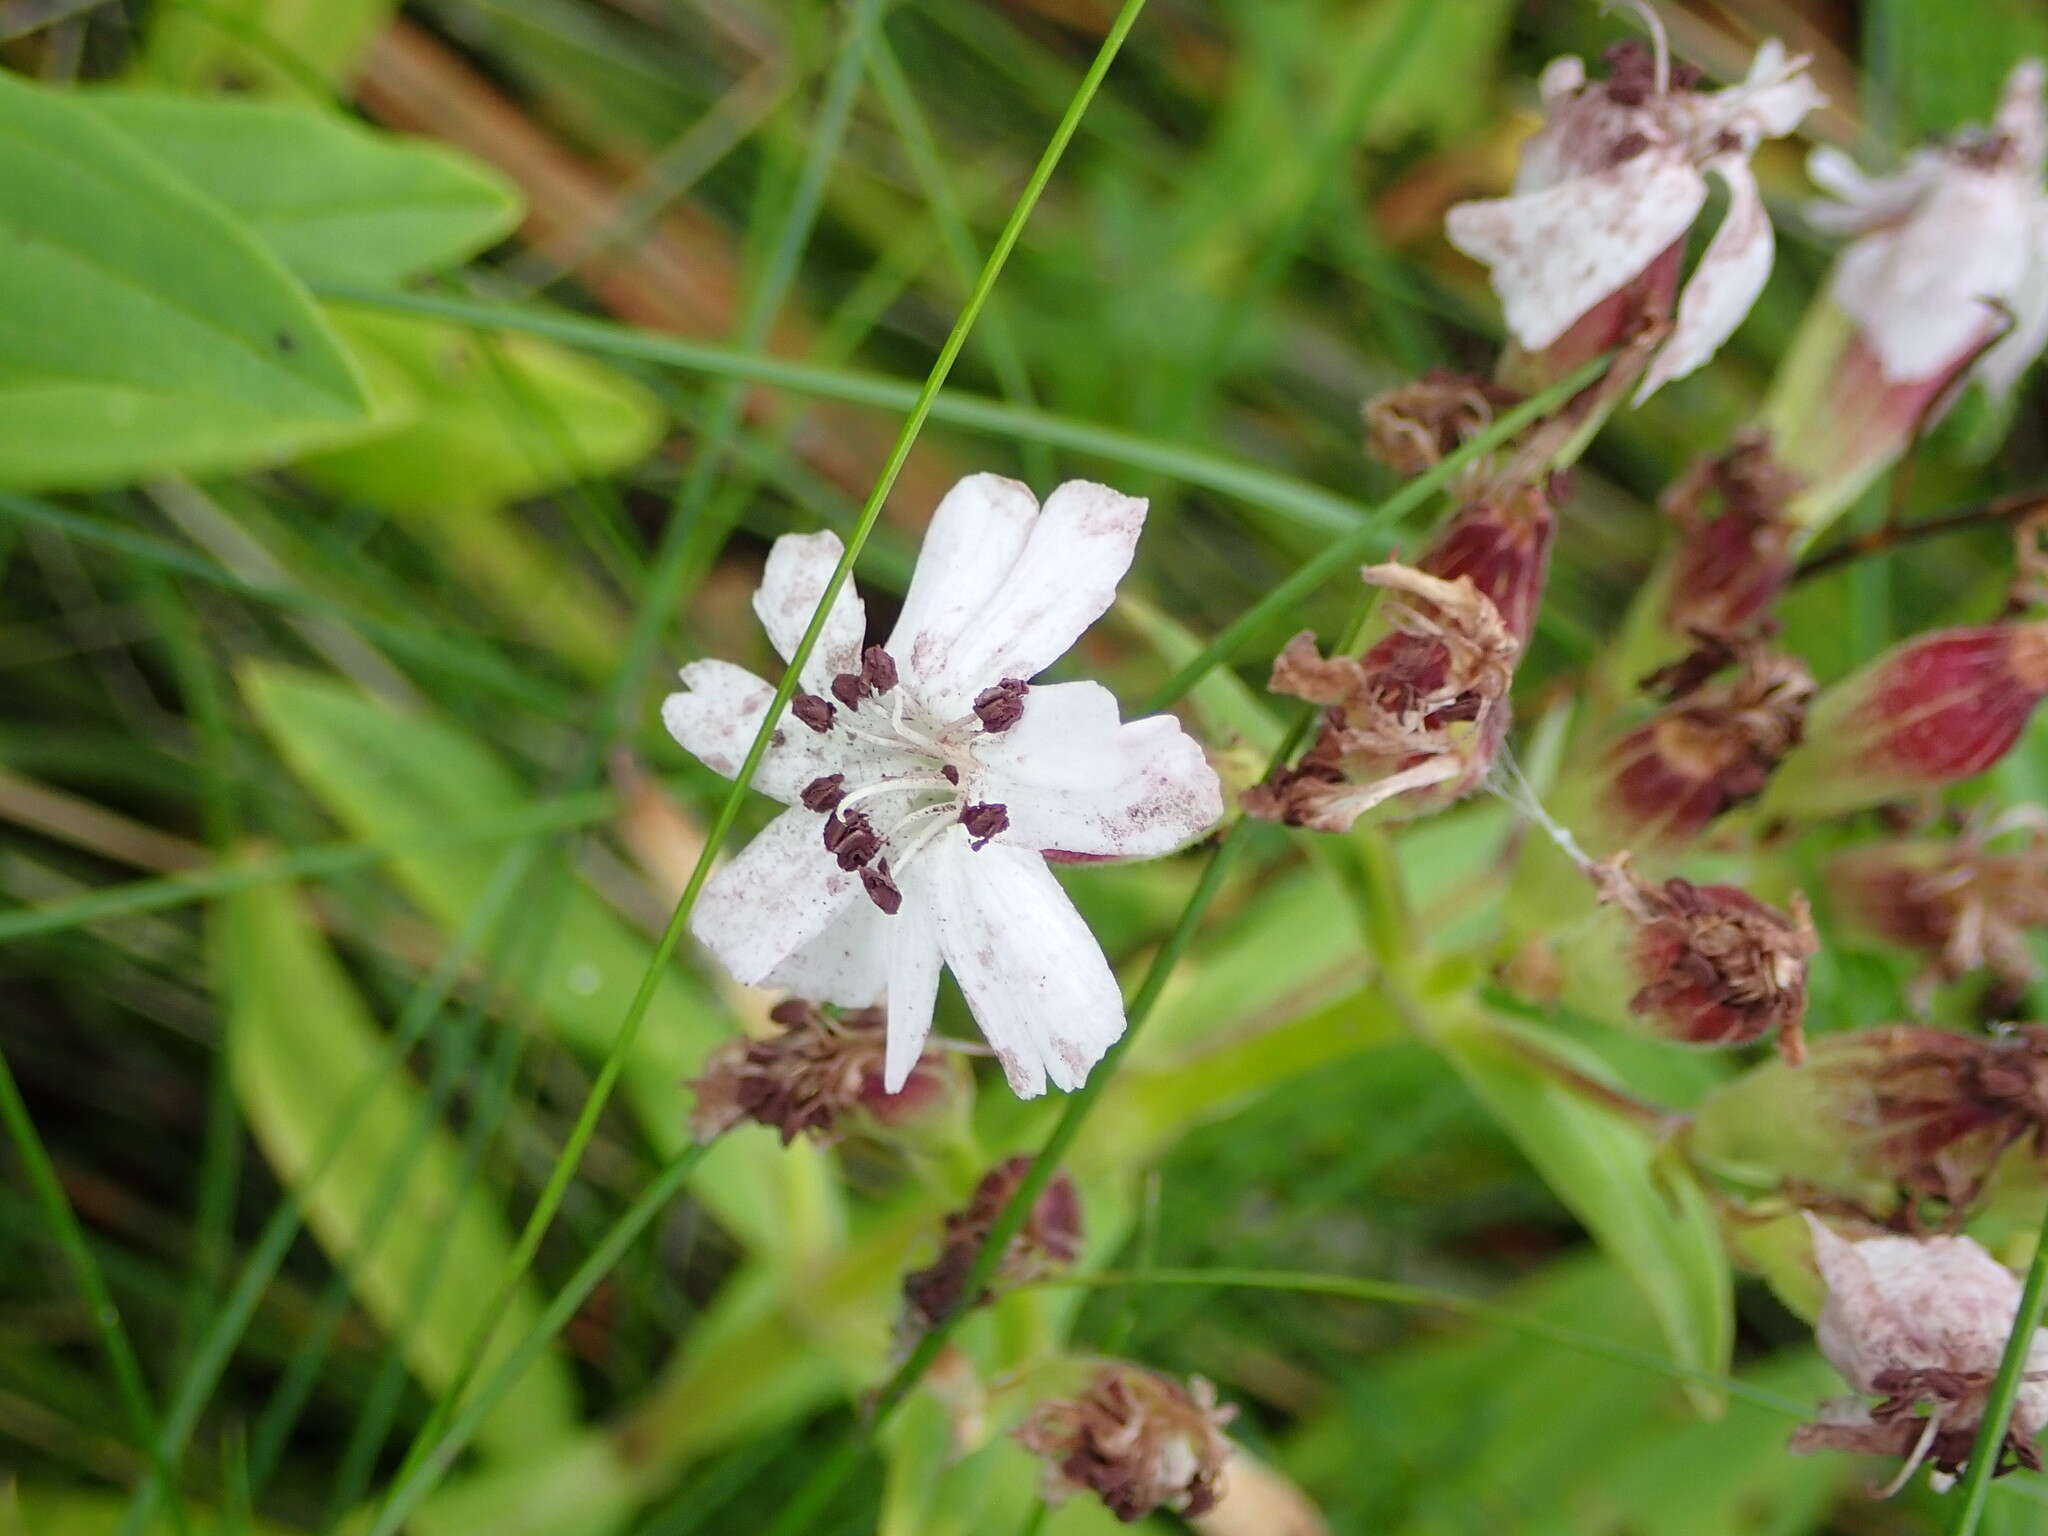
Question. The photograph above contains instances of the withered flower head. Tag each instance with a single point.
(1900, 1125)
(808, 1077)
(1717, 967)
(1965, 905)
(1712, 747)
(1049, 1239)
(1920, 1324)
(1736, 542)
(1141, 1441)
(1414, 427)
(1424, 710)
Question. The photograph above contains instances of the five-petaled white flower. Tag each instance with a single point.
(1951, 250)
(929, 780)
(1612, 182)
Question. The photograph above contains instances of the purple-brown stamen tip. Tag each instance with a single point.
(813, 711)
(1002, 706)
(880, 888)
(950, 774)
(984, 821)
(846, 689)
(851, 839)
(877, 669)
(824, 794)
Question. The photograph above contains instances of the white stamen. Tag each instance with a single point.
(1659, 41)
(886, 786)
(1913, 1461)
(902, 862)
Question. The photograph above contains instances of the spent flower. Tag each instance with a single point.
(1139, 1440)
(1920, 1324)
(1589, 243)
(929, 780)
(1050, 1239)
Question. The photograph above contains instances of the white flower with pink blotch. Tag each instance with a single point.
(1607, 190)
(929, 780)
(1949, 265)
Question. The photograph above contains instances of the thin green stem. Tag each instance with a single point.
(423, 1467)
(1297, 501)
(1395, 1293)
(1990, 1447)
(413, 1487)
(85, 1272)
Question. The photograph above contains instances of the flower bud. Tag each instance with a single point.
(1920, 1324)
(1139, 1440)
(1962, 905)
(813, 1076)
(1895, 1124)
(1709, 750)
(1049, 1239)
(1735, 542)
(1712, 966)
(1936, 709)
(1422, 713)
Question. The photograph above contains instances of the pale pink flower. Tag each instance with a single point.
(1920, 1323)
(928, 781)
(1612, 182)
(1951, 250)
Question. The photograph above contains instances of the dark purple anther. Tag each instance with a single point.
(813, 711)
(1002, 706)
(823, 794)
(877, 669)
(880, 888)
(851, 839)
(984, 821)
(950, 774)
(846, 689)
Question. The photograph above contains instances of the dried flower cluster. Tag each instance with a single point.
(1049, 1239)
(1138, 1440)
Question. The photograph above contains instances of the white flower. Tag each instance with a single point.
(1612, 182)
(1951, 249)
(1919, 1322)
(928, 780)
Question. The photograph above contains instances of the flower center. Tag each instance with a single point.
(907, 777)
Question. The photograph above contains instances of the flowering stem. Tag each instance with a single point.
(2005, 1391)
(1369, 536)
(2006, 509)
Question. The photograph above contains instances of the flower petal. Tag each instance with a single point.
(973, 540)
(910, 948)
(1033, 974)
(1557, 252)
(1730, 275)
(846, 964)
(799, 566)
(780, 894)
(1076, 780)
(715, 719)
(2020, 117)
(1061, 581)
(2001, 367)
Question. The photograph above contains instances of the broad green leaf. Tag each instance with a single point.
(146, 332)
(300, 1045)
(1646, 1211)
(481, 422)
(335, 200)
(388, 775)
(299, 47)
(1931, 76)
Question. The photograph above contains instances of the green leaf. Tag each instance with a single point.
(304, 47)
(336, 201)
(146, 332)
(478, 423)
(1934, 76)
(1646, 1211)
(388, 775)
(300, 1046)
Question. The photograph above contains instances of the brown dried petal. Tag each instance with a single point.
(807, 1078)
(1139, 1440)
